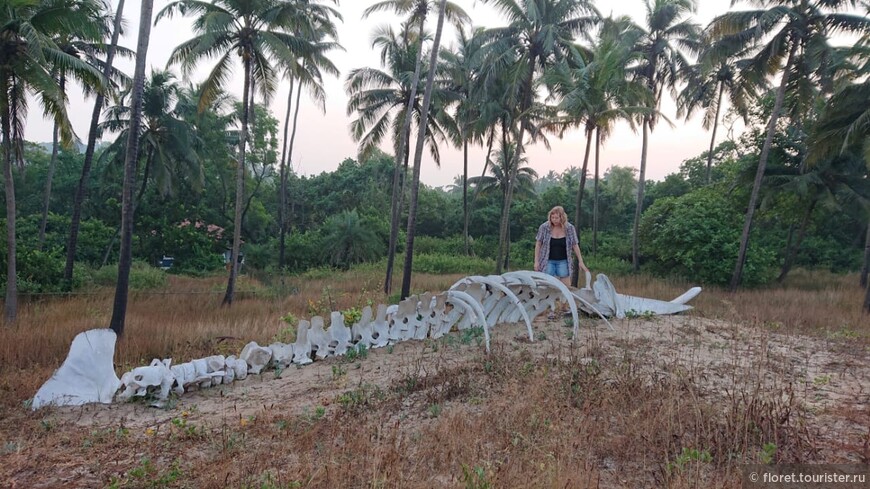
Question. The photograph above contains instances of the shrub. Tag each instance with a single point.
(42, 271)
(697, 236)
(142, 276)
(443, 264)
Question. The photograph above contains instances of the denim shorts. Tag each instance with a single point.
(557, 268)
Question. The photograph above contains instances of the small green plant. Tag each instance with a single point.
(358, 352)
(363, 396)
(187, 430)
(768, 453)
(338, 372)
(352, 316)
(645, 315)
(688, 456)
(475, 478)
(474, 334)
(435, 410)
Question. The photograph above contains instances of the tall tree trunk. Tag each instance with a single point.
(402, 155)
(865, 270)
(75, 219)
(713, 137)
(240, 188)
(52, 164)
(489, 143)
(282, 189)
(595, 197)
(125, 261)
(465, 190)
(759, 173)
(575, 278)
(418, 154)
(506, 206)
(11, 304)
(635, 243)
(791, 251)
(867, 301)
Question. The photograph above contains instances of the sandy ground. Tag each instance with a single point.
(830, 377)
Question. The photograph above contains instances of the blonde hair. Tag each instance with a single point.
(561, 212)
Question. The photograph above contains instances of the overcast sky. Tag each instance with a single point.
(323, 140)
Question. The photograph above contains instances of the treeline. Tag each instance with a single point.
(690, 228)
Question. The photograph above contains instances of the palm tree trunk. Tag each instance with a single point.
(282, 190)
(465, 192)
(240, 189)
(595, 197)
(11, 304)
(791, 251)
(582, 187)
(635, 254)
(759, 173)
(489, 143)
(402, 155)
(125, 261)
(46, 201)
(418, 154)
(715, 126)
(506, 206)
(76, 218)
(865, 270)
(575, 278)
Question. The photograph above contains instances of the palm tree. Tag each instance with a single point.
(306, 73)
(259, 32)
(500, 168)
(28, 60)
(418, 153)
(718, 72)
(845, 125)
(76, 217)
(87, 44)
(666, 33)
(462, 67)
(349, 240)
(169, 143)
(795, 31)
(416, 12)
(539, 35)
(597, 95)
(125, 261)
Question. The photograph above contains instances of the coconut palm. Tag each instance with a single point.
(539, 35)
(125, 260)
(75, 219)
(462, 67)
(668, 31)
(260, 33)
(793, 31)
(28, 59)
(709, 80)
(415, 13)
(845, 125)
(87, 44)
(168, 141)
(597, 94)
(305, 74)
(349, 240)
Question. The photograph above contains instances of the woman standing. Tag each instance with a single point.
(554, 245)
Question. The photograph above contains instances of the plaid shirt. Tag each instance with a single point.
(544, 235)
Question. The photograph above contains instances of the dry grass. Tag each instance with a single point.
(589, 415)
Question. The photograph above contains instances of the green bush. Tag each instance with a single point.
(608, 265)
(142, 276)
(442, 264)
(41, 272)
(696, 236)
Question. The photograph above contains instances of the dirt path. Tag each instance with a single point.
(830, 379)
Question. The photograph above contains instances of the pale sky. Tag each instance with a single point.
(324, 140)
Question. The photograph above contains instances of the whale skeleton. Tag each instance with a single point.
(474, 301)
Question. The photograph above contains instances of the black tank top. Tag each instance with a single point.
(558, 249)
